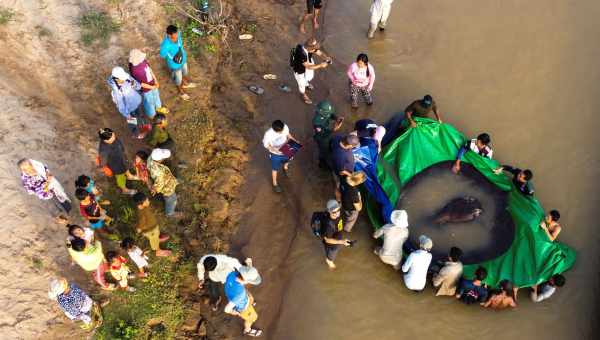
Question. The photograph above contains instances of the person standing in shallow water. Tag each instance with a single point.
(38, 181)
(394, 235)
(362, 77)
(313, 7)
(422, 108)
(380, 10)
(303, 65)
(274, 140)
(173, 51)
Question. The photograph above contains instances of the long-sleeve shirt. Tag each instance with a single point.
(126, 95)
(393, 240)
(358, 76)
(38, 184)
(472, 145)
(544, 292)
(448, 277)
(164, 181)
(525, 188)
(113, 156)
(415, 269)
(168, 50)
(75, 303)
(225, 265)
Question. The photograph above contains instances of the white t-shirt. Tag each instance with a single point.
(138, 257)
(415, 267)
(488, 151)
(274, 140)
(225, 265)
(393, 240)
(545, 291)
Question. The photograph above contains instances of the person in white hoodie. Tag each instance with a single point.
(218, 267)
(416, 265)
(380, 10)
(394, 235)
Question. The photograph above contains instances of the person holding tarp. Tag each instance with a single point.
(479, 145)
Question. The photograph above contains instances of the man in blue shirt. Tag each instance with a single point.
(173, 51)
(240, 300)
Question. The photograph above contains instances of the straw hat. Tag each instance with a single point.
(136, 56)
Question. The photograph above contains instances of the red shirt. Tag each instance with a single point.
(142, 73)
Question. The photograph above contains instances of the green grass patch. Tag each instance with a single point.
(6, 15)
(97, 27)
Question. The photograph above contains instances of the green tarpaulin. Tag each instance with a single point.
(531, 258)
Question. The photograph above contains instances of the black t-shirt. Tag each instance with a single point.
(332, 229)
(341, 159)
(301, 57)
(350, 195)
(113, 156)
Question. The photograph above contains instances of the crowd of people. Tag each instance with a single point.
(137, 98)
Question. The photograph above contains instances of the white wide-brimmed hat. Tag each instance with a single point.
(119, 73)
(250, 275)
(399, 218)
(160, 154)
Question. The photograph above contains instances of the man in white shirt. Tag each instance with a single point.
(380, 10)
(394, 235)
(218, 267)
(417, 264)
(545, 290)
(274, 141)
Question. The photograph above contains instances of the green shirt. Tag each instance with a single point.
(159, 135)
(90, 258)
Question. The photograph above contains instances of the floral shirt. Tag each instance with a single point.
(73, 301)
(36, 185)
(164, 181)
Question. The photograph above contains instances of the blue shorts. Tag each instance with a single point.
(277, 161)
(97, 225)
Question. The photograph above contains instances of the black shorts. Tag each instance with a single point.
(312, 4)
(331, 251)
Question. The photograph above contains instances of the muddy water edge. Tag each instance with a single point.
(521, 71)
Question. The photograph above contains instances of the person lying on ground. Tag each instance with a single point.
(240, 301)
(140, 165)
(473, 291)
(124, 92)
(38, 181)
(137, 255)
(351, 200)
(91, 259)
(147, 224)
(394, 235)
(545, 290)
(72, 300)
(361, 77)
(328, 225)
(119, 270)
(480, 145)
(502, 299)
(550, 225)
(92, 212)
(163, 181)
(447, 279)
(112, 159)
(273, 140)
(88, 184)
(521, 179)
(325, 122)
(218, 266)
(76, 231)
(313, 7)
(416, 265)
(342, 159)
(140, 71)
(421, 108)
(380, 11)
(303, 65)
(172, 49)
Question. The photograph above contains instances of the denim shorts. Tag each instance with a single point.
(177, 75)
(277, 161)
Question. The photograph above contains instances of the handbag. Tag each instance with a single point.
(178, 58)
(290, 148)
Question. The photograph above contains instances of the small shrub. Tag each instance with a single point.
(6, 15)
(97, 27)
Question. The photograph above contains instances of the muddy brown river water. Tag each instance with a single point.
(525, 72)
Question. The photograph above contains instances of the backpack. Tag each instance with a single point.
(293, 56)
(317, 223)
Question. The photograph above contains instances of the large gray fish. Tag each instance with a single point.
(461, 209)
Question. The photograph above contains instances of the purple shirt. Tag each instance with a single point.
(142, 73)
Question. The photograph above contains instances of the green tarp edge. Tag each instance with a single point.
(531, 258)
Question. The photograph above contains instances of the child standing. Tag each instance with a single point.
(141, 167)
(136, 255)
(89, 185)
(119, 270)
(92, 211)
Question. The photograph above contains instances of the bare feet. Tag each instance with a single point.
(330, 264)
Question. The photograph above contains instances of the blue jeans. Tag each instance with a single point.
(170, 204)
(177, 75)
(151, 102)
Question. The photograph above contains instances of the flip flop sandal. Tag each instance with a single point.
(256, 89)
(245, 36)
(285, 88)
(269, 76)
(253, 333)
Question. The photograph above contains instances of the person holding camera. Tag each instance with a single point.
(328, 226)
(325, 122)
(303, 65)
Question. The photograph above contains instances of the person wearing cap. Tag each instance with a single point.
(173, 51)
(241, 302)
(351, 200)
(447, 278)
(479, 145)
(342, 158)
(147, 224)
(325, 122)
(140, 70)
(416, 265)
(313, 7)
(124, 92)
(163, 181)
(303, 65)
(72, 300)
(394, 235)
(421, 108)
(380, 11)
(274, 139)
(218, 266)
(331, 229)
(112, 160)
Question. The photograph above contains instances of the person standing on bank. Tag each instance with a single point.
(273, 140)
(173, 51)
(38, 181)
(303, 65)
(325, 122)
(313, 7)
(362, 78)
(416, 265)
(422, 108)
(112, 159)
(351, 200)
(218, 266)
(163, 181)
(124, 92)
(394, 235)
(329, 225)
(140, 70)
(380, 10)
(241, 302)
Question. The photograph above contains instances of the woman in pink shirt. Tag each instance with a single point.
(362, 77)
